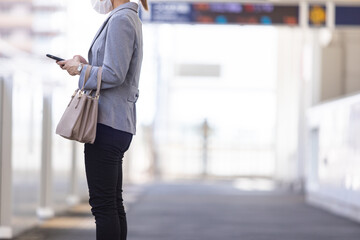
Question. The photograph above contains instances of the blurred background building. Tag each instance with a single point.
(265, 95)
(27, 24)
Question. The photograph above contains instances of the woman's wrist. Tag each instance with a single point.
(80, 68)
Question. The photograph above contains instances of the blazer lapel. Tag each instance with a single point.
(98, 32)
(129, 5)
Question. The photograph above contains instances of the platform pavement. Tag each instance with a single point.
(193, 210)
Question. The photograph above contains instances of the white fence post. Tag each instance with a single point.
(73, 197)
(45, 209)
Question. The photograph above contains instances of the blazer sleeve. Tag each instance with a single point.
(119, 48)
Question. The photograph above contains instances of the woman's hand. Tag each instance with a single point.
(82, 60)
(72, 65)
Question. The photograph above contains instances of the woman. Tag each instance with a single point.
(117, 48)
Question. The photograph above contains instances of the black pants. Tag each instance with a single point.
(103, 164)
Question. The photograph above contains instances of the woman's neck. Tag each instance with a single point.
(117, 3)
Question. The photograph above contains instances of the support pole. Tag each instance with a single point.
(205, 136)
(5, 157)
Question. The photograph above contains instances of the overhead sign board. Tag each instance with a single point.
(223, 13)
(171, 12)
(317, 15)
(237, 13)
(347, 16)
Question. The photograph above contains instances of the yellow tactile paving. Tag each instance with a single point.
(69, 223)
(81, 208)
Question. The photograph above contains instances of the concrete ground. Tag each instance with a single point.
(206, 211)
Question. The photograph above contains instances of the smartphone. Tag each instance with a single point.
(54, 57)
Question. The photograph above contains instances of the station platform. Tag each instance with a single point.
(202, 210)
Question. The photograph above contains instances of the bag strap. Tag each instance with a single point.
(87, 75)
(97, 94)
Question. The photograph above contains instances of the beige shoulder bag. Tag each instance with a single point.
(80, 117)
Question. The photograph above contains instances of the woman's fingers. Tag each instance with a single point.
(70, 65)
(61, 64)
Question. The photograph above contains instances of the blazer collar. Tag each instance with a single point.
(129, 5)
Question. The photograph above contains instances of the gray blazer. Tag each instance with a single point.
(118, 48)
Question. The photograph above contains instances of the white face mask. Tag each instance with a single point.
(102, 6)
